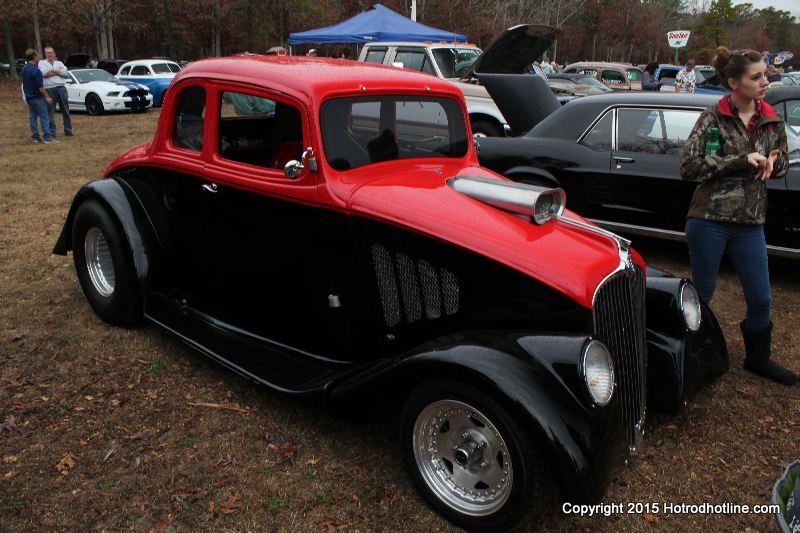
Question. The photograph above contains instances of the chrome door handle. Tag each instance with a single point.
(210, 187)
(624, 159)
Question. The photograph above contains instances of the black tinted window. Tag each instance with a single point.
(600, 136)
(141, 70)
(414, 60)
(189, 119)
(360, 131)
(375, 55)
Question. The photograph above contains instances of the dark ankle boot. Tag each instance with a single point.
(758, 347)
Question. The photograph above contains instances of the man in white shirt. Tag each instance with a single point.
(55, 81)
(686, 80)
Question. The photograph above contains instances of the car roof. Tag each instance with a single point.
(601, 64)
(574, 117)
(779, 94)
(317, 77)
(147, 62)
(424, 44)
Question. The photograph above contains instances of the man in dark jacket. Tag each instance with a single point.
(36, 97)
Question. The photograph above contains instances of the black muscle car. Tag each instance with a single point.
(618, 156)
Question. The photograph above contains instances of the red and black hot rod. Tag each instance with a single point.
(323, 227)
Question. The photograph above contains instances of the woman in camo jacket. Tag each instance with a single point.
(729, 205)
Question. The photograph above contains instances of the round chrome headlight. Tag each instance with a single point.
(690, 306)
(598, 372)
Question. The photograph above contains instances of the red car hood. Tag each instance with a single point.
(571, 260)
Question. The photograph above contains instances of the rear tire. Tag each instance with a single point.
(104, 267)
(94, 106)
(469, 458)
(486, 128)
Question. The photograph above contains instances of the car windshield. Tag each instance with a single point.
(363, 130)
(702, 74)
(165, 68)
(594, 83)
(453, 62)
(95, 74)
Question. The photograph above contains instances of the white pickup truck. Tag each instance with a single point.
(513, 52)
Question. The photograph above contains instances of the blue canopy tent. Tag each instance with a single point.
(377, 23)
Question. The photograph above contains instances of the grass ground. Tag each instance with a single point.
(105, 429)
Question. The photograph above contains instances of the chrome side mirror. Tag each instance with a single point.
(293, 168)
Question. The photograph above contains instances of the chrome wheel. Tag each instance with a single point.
(462, 457)
(99, 262)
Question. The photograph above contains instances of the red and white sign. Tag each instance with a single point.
(678, 38)
(786, 55)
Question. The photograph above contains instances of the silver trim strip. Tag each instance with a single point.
(679, 236)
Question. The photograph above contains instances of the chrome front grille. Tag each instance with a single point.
(619, 321)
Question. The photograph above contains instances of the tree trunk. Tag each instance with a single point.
(594, 46)
(37, 35)
(168, 30)
(12, 71)
(109, 30)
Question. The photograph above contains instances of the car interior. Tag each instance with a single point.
(357, 132)
(259, 131)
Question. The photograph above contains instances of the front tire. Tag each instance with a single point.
(105, 270)
(94, 106)
(469, 459)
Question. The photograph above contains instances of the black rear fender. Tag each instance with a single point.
(127, 212)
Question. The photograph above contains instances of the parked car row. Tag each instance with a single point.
(334, 236)
(96, 91)
(618, 155)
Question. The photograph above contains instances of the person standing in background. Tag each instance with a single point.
(36, 97)
(55, 82)
(685, 80)
(736, 145)
(649, 82)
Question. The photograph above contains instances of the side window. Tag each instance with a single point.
(140, 70)
(414, 60)
(376, 55)
(613, 77)
(259, 131)
(125, 71)
(654, 131)
(634, 75)
(190, 115)
(588, 72)
(600, 136)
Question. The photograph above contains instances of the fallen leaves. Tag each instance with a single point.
(66, 463)
(8, 424)
(230, 505)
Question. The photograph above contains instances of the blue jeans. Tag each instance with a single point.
(746, 248)
(59, 96)
(37, 108)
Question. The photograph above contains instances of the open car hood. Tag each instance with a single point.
(524, 100)
(77, 61)
(513, 51)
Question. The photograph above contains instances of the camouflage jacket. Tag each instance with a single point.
(728, 190)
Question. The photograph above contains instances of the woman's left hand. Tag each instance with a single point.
(765, 169)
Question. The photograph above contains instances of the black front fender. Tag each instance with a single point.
(679, 362)
(537, 378)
